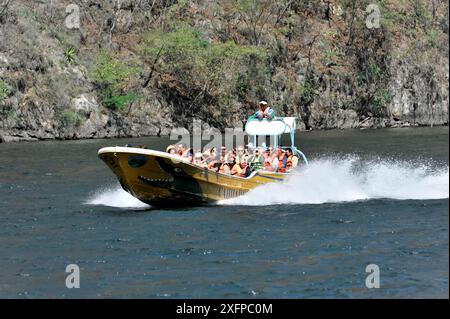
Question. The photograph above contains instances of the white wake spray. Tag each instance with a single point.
(115, 197)
(327, 181)
(344, 180)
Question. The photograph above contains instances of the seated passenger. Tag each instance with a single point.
(223, 154)
(212, 161)
(292, 159)
(188, 154)
(230, 154)
(271, 161)
(268, 152)
(236, 169)
(240, 154)
(181, 149)
(269, 165)
(227, 166)
(198, 159)
(171, 149)
(249, 150)
(281, 160)
(241, 169)
(257, 160)
(205, 154)
(246, 171)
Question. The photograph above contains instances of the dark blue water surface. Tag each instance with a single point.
(267, 251)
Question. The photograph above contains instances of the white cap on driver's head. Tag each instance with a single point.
(263, 102)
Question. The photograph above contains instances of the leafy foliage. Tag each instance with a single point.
(70, 55)
(70, 118)
(200, 72)
(119, 102)
(4, 91)
(112, 77)
(214, 60)
(382, 98)
(307, 91)
(373, 94)
(432, 38)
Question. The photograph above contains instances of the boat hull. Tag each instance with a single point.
(162, 179)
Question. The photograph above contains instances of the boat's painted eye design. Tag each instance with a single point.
(137, 161)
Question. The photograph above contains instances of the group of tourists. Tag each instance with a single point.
(239, 161)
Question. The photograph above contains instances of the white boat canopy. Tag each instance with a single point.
(277, 126)
(274, 128)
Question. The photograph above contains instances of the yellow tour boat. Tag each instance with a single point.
(162, 179)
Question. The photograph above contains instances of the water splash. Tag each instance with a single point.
(345, 180)
(327, 180)
(115, 197)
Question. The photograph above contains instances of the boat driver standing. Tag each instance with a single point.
(265, 111)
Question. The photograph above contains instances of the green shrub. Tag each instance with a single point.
(70, 118)
(70, 55)
(432, 37)
(390, 17)
(4, 91)
(222, 69)
(372, 94)
(111, 75)
(307, 91)
(7, 112)
(181, 48)
(241, 85)
(420, 14)
(370, 75)
(382, 98)
(119, 102)
(177, 8)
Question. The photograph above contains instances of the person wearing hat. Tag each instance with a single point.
(171, 149)
(212, 161)
(223, 154)
(281, 160)
(257, 160)
(265, 111)
(181, 150)
(292, 159)
(241, 169)
(240, 154)
(227, 166)
(198, 159)
(269, 156)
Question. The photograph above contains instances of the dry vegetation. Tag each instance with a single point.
(172, 60)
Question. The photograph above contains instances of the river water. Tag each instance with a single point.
(368, 197)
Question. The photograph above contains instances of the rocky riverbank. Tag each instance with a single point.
(136, 68)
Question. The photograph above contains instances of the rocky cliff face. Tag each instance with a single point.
(318, 60)
(420, 92)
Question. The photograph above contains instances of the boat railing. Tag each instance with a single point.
(264, 130)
